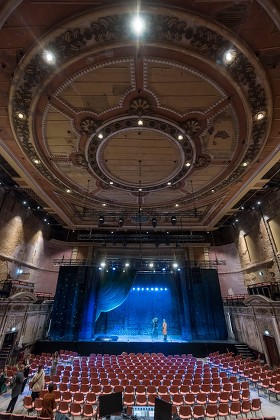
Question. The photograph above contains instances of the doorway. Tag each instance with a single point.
(272, 350)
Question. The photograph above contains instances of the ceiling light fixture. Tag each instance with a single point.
(180, 137)
(140, 122)
(154, 222)
(21, 115)
(101, 220)
(245, 164)
(173, 220)
(121, 222)
(36, 161)
(100, 136)
(138, 25)
(68, 191)
(188, 164)
(260, 115)
(49, 57)
(230, 56)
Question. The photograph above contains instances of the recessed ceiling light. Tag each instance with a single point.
(188, 164)
(138, 25)
(49, 56)
(180, 137)
(230, 56)
(260, 115)
(20, 115)
(140, 122)
(100, 136)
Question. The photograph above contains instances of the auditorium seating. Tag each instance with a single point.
(203, 389)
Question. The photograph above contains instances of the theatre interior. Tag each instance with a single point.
(140, 186)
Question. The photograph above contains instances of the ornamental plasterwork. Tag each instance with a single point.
(186, 31)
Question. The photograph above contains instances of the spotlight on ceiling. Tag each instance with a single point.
(121, 222)
(138, 25)
(154, 222)
(101, 220)
(49, 57)
(260, 115)
(173, 220)
(229, 56)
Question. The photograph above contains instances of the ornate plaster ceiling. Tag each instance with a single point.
(161, 122)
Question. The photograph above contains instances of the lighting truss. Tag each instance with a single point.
(140, 264)
(156, 238)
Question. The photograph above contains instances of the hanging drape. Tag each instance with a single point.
(113, 288)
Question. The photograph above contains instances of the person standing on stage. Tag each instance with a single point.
(155, 327)
(164, 330)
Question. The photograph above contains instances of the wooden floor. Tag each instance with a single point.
(269, 408)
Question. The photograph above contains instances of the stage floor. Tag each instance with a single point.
(138, 338)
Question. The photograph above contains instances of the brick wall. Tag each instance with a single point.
(25, 246)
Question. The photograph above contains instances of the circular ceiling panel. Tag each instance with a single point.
(141, 157)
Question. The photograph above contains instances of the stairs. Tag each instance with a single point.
(244, 350)
(4, 354)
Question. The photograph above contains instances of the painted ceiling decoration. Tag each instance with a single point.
(171, 120)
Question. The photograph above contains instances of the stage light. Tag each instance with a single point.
(156, 289)
(103, 264)
(163, 269)
(173, 220)
(133, 288)
(127, 264)
(161, 289)
(154, 222)
(152, 288)
(147, 288)
(142, 288)
(114, 268)
(151, 265)
(175, 265)
(138, 288)
(165, 288)
(179, 269)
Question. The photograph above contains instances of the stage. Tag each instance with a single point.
(111, 345)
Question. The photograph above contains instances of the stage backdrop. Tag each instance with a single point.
(152, 295)
(91, 302)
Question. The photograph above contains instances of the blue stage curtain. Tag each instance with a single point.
(206, 316)
(65, 322)
(113, 289)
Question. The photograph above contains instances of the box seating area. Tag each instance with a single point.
(197, 389)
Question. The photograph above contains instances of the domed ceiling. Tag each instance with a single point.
(179, 120)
